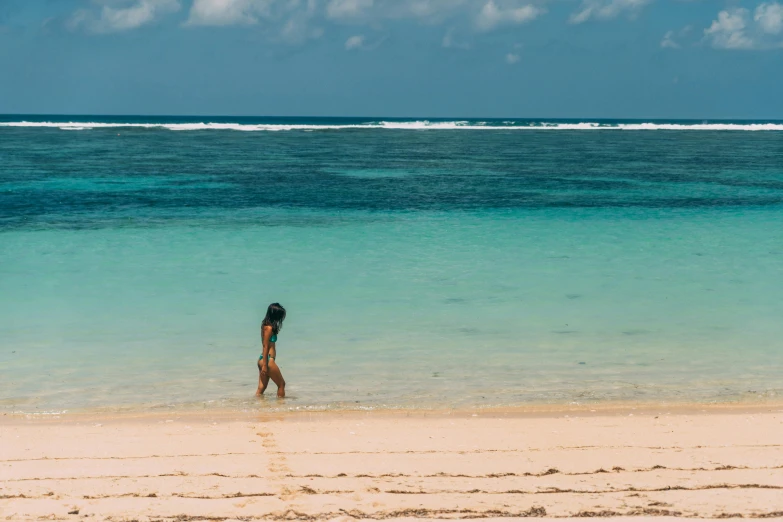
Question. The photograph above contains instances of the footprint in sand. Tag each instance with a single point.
(279, 467)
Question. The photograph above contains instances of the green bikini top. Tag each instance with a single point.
(273, 339)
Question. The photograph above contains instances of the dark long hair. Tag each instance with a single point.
(275, 315)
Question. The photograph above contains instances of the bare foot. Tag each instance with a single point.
(281, 392)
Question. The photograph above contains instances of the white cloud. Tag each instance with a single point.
(228, 12)
(769, 16)
(122, 16)
(729, 30)
(491, 15)
(484, 14)
(606, 9)
(668, 41)
(671, 40)
(425, 11)
(451, 42)
(512, 58)
(735, 29)
(299, 18)
(80, 18)
(298, 28)
(354, 42)
(346, 9)
(291, 19)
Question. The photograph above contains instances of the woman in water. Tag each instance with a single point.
(267, 367)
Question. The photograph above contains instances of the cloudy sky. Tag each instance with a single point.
(436, 58)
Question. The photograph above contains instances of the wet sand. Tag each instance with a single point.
(701, 462)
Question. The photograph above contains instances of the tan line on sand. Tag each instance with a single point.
(624, 463)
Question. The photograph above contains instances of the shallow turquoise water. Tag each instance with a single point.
(420, 268)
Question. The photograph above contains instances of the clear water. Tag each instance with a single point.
(445, 267)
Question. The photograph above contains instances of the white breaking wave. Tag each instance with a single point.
(407, 125)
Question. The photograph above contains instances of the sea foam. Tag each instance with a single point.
(406, 125)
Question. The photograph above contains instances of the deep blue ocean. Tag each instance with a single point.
(424, 264)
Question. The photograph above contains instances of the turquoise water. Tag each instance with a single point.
(422, 265)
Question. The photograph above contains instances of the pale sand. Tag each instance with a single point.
(379, 465)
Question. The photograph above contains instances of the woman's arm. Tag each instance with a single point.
(266, 334)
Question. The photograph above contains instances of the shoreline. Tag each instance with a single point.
(527, 411)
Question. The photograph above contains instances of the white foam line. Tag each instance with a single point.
(411, 125)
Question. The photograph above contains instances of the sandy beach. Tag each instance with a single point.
(701, 462)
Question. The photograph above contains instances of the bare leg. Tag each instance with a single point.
(263, 380)
(277, 376)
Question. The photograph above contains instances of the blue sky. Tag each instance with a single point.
(436, 58)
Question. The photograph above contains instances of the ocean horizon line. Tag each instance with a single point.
(376, 117)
